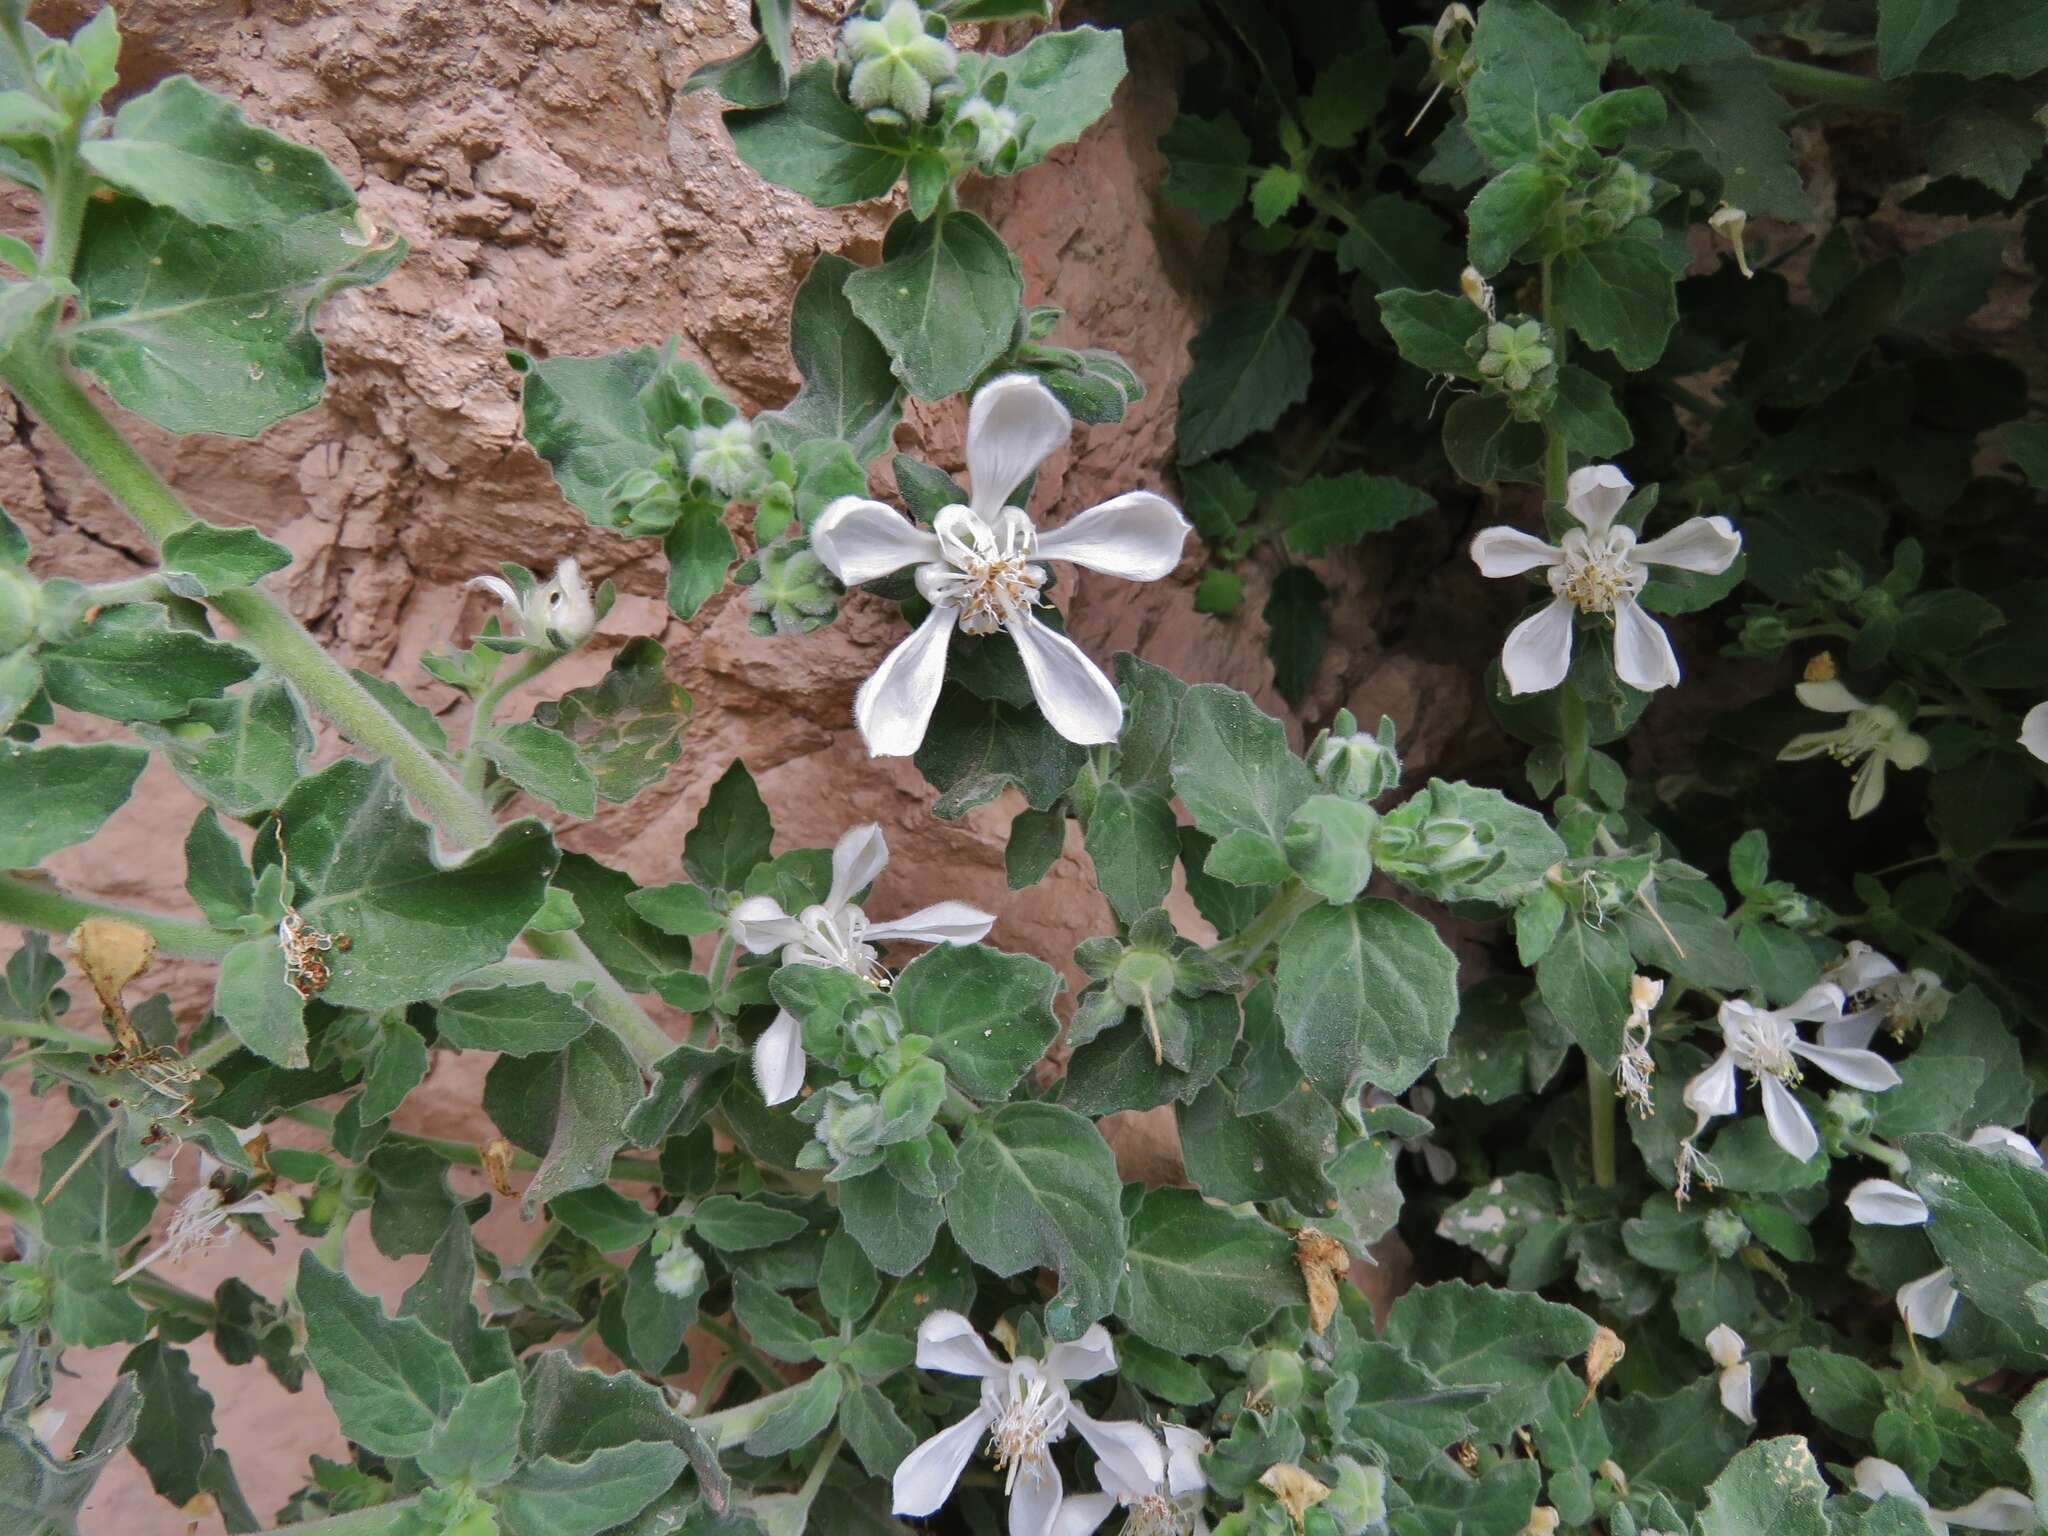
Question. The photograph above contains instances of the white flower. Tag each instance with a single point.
(1900, 999)
(1738, 1390)
(1636, 1072)
(556, 615)
(1765, 1043)
(1025, 1409)
(1165, 1499)
(2001, 1509)
(1873, 738)
(1729, 222)
(835, 932)
(975, 566)
(2034, 731)
(1600, 568)
(201, 1220)
(1928, 1303)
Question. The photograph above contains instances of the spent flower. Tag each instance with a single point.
(1872, 738)
(1738, 1388)
(1163, 1498)
(555, 615)
(1999, 1509)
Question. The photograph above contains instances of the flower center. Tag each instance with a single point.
(835, 939)
(199, 1222)
(1596, 576)
(1034, 1417)
(1868, 731)
(1764, 1045)
(993, 592)
(1155, 1515)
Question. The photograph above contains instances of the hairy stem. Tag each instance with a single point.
(34, 905)
(1834, 87)
(374, 1521)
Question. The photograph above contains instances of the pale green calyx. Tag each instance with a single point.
(1350, 763)
(995, 128)
(725, 458)
(788, 590)
(1517, 353)
(1724, 1231)
(679, 1271)
(897, 61)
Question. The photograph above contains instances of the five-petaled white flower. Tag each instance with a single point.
(1765, 1043)
(202, 1219)
(1025, 1409)
(556, 615)
(1890, 996)
(2000, 1509)
(1599, 568)
(1738, 1388)
(1929, 1302)
(1873, 738)
(835, 932)
(2034, 731)
(976, 566)
(1165, 1499)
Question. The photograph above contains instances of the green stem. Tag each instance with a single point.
(1834, 87)
(1600, 1122)
(1891, 1157)
(756, 1364)
(474, 764)
(636, 1170)
(51, 1034)
(1288, 903)
(608, 1002)
(731, 1426)
(162, 1296)
(1577, 738)
(153, 588)
(64, 212)
(377, 1520)
(34, 905)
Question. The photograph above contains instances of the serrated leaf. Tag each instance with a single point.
(242, 752)
(1208, 162)
(222, 559)
(989, 1015)
(544, 764)
(390, 1382)
(1368, 993)
(1198, 1277)
(1321, 513)
(59, 795)
(1528, 65)
(1248, 365)
(1467, 1335)
(131, 664)
(848, 392)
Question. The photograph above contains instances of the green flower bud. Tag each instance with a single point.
(850, 1124)
(1517, 353)
(1140, 974)
(1358, 1497)
(995, 129)
(678, 1271)
(1274, 1379)
(1849, 1109)
(897, 60)
(1622, 195)
(873, 1031)
(788, 589)
(25, 1296)
(1433, 853)
(18, 592)
(1836, 584)
(725, 458)
(1765, 634)
(1349, 763)
(1724, 1231)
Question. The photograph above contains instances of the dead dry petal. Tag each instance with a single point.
(111, 954)
(1297, 1492)
(1323, 1261)
(497, 1156)
(1602, 1356)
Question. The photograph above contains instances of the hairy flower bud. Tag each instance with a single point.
(725, 458)
(1358, 1497)
(1724, 1231)
(1274, 1379)
(897, 60)
(1620, 196)
(851, 1123)
(679, 1271)
(788, 589)
(1349, 763)
(995, 129)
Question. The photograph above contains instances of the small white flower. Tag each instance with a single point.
(201, 1220)
(976, 567)
(1164, 1499)
(1477, 289)
(1900, 999)
(1738, 1391)
(1873, 738)
(836, 933)
(1729, 222)
(1025, 1410)
(2001, 1509)
(1599, 568)
(1765, 1043)
(2034, 731)
(679, 1271)
(557, 615)
(1635, 1074)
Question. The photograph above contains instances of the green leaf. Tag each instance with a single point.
(547, 1497)
(1431, 329)
(41, 1495)
(603, 1218)
(977, 748)
(174, 1436)
(1584, 980)
(634, 951)
(1232, 767)
(1584, 411)
(207, 329)
(1989, 1224)
(57, 796)
(1772, 1486)
(241, 753)
(1117, 1070)
(1467, 1335)
(1208, 162)
(1674, 1445)
(800, 1420)
(1991, 37)
(365, 866)
(1329, 845)
(1060, 83)
(1323, 513)
(86, 1307)
(875, 1430)
(1724, 109)
(1619, 295)
(222, 559)
(732, 1225)
(583, 415)
(626, 730)
(99, 1207)
(680, 909)
(545, 765)
(1368, 993)
(571, 1412)
(894, 1224)
(848, 393)
(524, 1020)
(131, 664)
(654, 1322)
(1404, 1410)
(1237, 1156)
(2032, 1414)
(412, 1205)
(1905, 28)
(943, 301)
(699, 550)
(584, 1096)
(1132, 841)
(817, 145)
(989, 1015)
(1249, 364)
(403, 707)
(443, 1299)
(398, 1064)
(1276, 191)
(1486, 444)
(1528, 65)
(180, 146)
(1511, 211)
(479, 1443)
(732, 834)
(1039, 1189)
(1199, 1278)
(258, 1003)
(758, 75)
(391, 1383)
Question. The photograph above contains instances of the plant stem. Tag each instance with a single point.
(611, 1004)
(1572, 728)
(751, 1359)
(1600, 1123)
(34, 905)
(152, 588)
(64, 213)
(162, 1296)
(374, 1521)
(474, 764)
(1265, 930)
(637, 1170)
(1834, 87)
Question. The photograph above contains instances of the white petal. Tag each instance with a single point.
(1595, 494)
(1996, 1138)
(1852, 1031)
(1907, 751)
(1818, 1004)
(1073, 695)
(1808, 744)
(1184, 1449)
(1083, 1513)
(1884, 1203)
(1859, 1069)
(1137, 536)
(1725, 1347)
(1132, 1461)
(1866, 789)
(926, 1476)
(947, 922)
(1738, 1392)
(861, 540)
(1713, 1091)
(1538, 651)
(1440, 1162)
(1790, 1128)
(1088, 1357)
(152, 1173)
(1014, 423)
(779, 1059)
(2034, 731)
(895, 705)
(859, 856)
(1035, 1501)
(1510, 552)
(498, 587)
(1643, 657)
(1706, 544)
(2001, 1509)
(1860, 968)
(1928, 1303)
(1877, 1478)
(759, 925)
(947, 1342)
(1830, 698)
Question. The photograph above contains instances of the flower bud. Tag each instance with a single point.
(1849, 1109)
(1358, 1497)
(1142, 974)
(788, 589)
(1724, 1231)
(1620, 197)
(725, 458)
(897, 59)
(1274, 1379)
(679, 1271)
(1349, 763)
(18, 593)
(994, 127)
(873, 1031)
(1765, 634)
(850, 1125)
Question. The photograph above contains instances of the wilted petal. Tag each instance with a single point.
(1725, 1347)
(1705, 544)
(1738, 1392)
(1830, 698)
(759, 925)
(1884, 1203)
(2034, 731)
(1137, 536)
(1877, 1478)
(1643, 657)
(1073, 695)
(895, 705)
(2001, 1509)
(1538, 651)
(926, 1476)
(1790, 1128)
(945, 922)
(1859, 1069)
(861, 540)
(1083, 1513)
(947, 1341)
(1860, 968)
(499, 588)
(1996, 1138)
(1510, 552)
(1184, 1450)
(1712, 1093)
(1595, 494)
(1035, 1501)
(1928, 1303)
(1131, 1461)
(1014, 423)
(860, 854)
(779, 1059)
